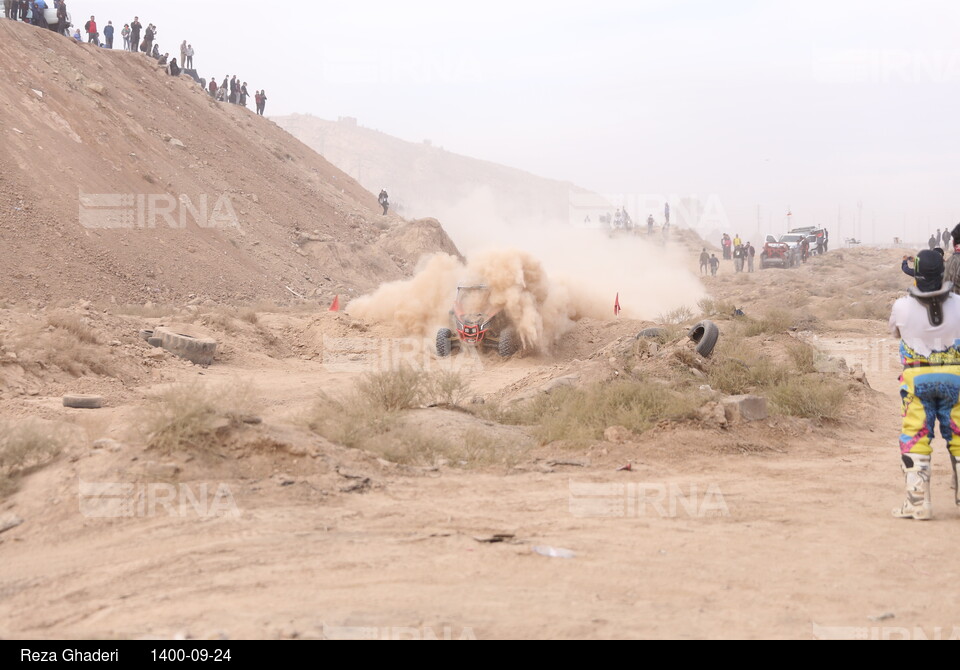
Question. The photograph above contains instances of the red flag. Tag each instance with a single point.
(616, 307)
(335, 307)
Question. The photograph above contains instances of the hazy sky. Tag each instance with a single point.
(808, 105)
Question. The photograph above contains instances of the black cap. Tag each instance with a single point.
(956, 234)
(930, 268)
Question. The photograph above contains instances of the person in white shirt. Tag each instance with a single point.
(928, 325)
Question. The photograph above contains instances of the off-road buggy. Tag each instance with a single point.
(474, 323)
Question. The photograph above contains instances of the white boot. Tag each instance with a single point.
(918, 504)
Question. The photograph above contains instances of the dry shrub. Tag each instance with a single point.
(717, 309)
(248, 315)
(393, 390)
(811, 397)
(581, 415)
(804, 357)
(62, 349)
(411, 445)
(75, 325)
(26, 444)
(448, 387)
(774, 322)
(371, 418)
(190, 415)
(677, 316)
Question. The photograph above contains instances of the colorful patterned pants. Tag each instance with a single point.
(930, 395)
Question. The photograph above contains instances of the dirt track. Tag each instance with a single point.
(796, 533)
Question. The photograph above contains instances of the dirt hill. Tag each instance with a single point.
(427, 180)
(95, 139)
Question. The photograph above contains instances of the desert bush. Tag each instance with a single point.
(448, 387)
(773, 322)
(26, 444)
(248, 315)
(411, 445)
(803, 356)
(736, 376)
(810, 397)
(717, 309)
(677, 316)
(583, 414)
(149, 311)
(75, 325)
(189, 415)
(63, 349)
(393, 390)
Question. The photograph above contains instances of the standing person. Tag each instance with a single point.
(704, 262)
(189, 61)
(147, 45)
(93, 37)
(108, 34)
(384, 200)
(650, 223)
(714, 264)
(125, 34)
(183, 51)
(946, 240)
(928, 325)
(738, 258)
(939, 237)
(932, 242)
(135, 29)
(244, 94)
(725, 243)
(805, 249)
(63, 26)
(7, 8)
(666, 213)
(173, 69)
(751, 255)
(737, 242)
(213, 88)
(263, 102)
(952, 272)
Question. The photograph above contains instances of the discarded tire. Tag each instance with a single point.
(508, 344)
(705, 334)
(188, 343)
(444, 343)
(155, 341)
(82, 401)
(652, 333)
(145, 335)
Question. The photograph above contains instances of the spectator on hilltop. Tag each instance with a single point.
(155, 54)
(189, 62)
(63, 25)
(108, 34)
(39, 14)
(263, 101)
(704, 262)
(135, 29)
(93, 37)
(173, 69)
(76, 36)
(7, 8)
(244, 94)
(125, 34)
(183, 51)
(163, 59)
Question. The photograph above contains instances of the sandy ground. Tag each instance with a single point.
(791, 539)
